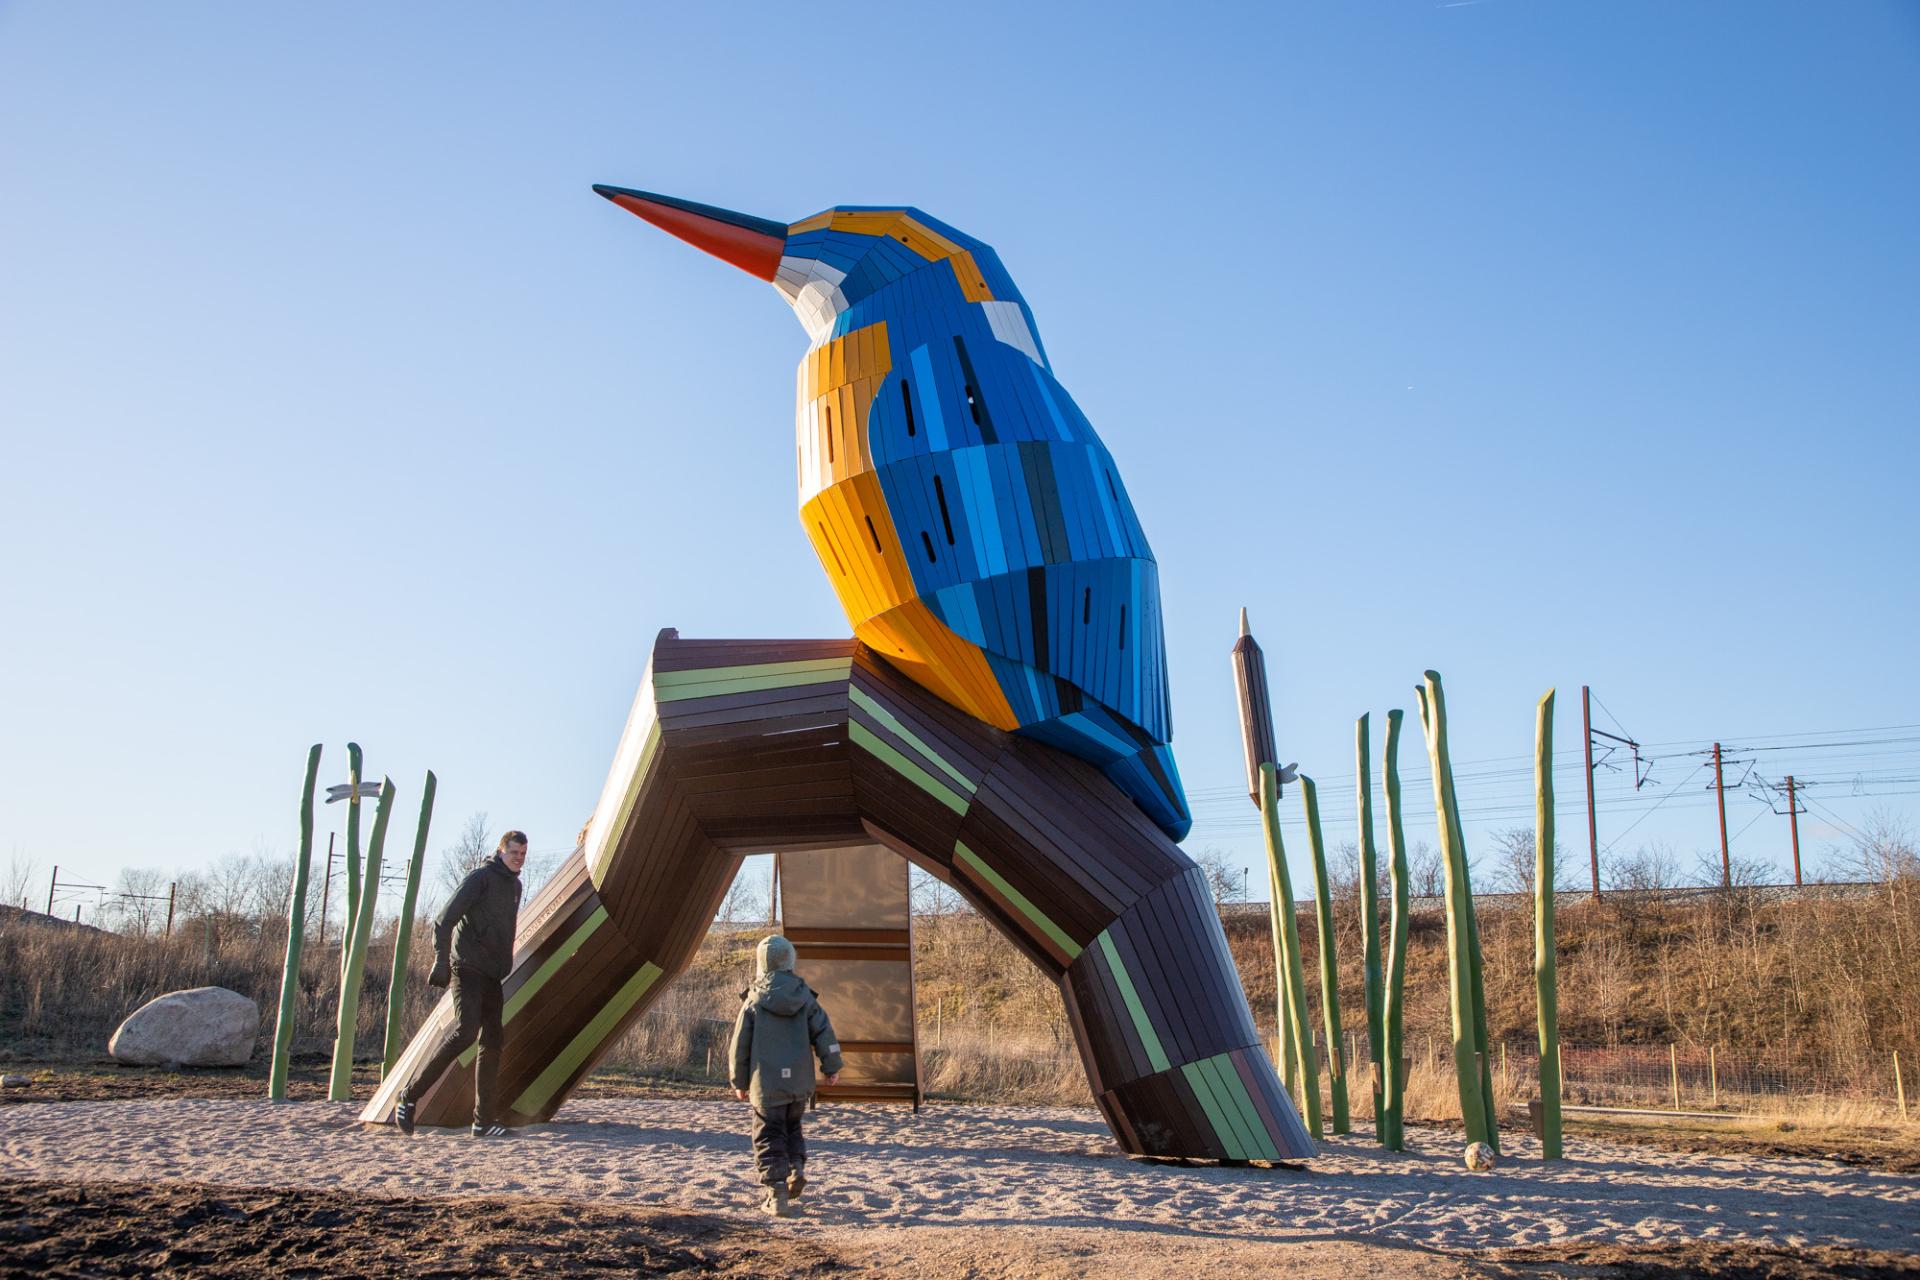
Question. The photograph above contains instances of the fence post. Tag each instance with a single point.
(1673, 1064)
(1713, 1074)
(1899, 1088)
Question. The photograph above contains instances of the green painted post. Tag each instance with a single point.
(1296, 1039)
(1544, 978)
(341, 1087)
(1466, 1066)
(353, 853)
(1394, 1104)
(296, 931)
(403, 935)
(1370, 917)
(1483, 1048)
(1329, 971)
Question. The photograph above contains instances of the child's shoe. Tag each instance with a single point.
(796, 1183)
(775, 1205)
(404, 1114)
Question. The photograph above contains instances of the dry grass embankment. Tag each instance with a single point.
(1802, 999)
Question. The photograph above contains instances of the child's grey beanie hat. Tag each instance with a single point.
(773, 953)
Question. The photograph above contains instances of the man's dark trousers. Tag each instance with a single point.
(778, 1148)
(476, 999)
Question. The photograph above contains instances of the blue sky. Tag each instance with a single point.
(1544, 344)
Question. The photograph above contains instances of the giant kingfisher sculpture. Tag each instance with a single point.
(1000, 718)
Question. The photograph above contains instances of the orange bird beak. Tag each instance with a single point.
(752, 244)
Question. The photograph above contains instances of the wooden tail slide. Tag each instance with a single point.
(751, 746)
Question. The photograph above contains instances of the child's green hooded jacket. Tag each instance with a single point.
(780, 1029)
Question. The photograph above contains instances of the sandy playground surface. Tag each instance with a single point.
(929, 1185)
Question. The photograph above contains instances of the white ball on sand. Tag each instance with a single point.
(1481, 1157)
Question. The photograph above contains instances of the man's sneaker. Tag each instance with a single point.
(775, 1205)
(489, 1131)
(404, 1115)
(796, 1183)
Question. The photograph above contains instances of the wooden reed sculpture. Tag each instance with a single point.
(296, 937)
(1471, 1067)
(1369, 914)
(1296, 1036)
(360, 929)
(1329, 968)
(403, 933)
(1544, 979)
(1394, 1091)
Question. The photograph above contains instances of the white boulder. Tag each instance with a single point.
(203, 1027)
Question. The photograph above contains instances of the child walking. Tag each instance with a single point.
(780, 1029)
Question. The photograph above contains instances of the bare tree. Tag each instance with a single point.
(1226, 879)
(1739, 873)
(138, 901)
(1513, 861)
(1426, 874)
(1884, 850)
(744, 900)
(16, 885)
(473, 846)
(1651, 867)
(932, 896)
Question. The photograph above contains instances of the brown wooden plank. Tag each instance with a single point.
(799, 935)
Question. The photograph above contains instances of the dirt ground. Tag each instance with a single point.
(51, 1229)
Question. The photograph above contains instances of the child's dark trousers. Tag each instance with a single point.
(778, 1148)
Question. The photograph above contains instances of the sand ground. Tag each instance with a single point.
(974, 1190)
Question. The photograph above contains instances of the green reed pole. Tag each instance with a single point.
(1394, 1102)
(353, 852)
(296, 934)
(1460, 953)
(1329, 971)
(340, 1088)
(1295, 1036)
(1369, 914)
(403, 934)
(1544, 978)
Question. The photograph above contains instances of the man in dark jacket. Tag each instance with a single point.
(780, 1030)
(473, 949)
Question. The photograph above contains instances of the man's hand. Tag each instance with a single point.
(834, 1078)
(442, 973)
(741, 1094)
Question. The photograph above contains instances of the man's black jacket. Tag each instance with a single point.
(478, 924)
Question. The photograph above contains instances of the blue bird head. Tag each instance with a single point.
(827, 265)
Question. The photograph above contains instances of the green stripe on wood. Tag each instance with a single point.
(543, 975)
(749, 671)
(1018, 899)
(1201, 1081)
(1144, 1025)
(597, 869)
(899, 730)
(673, 686)
(1226, 1087)
(591, 1036)
(1260, 1144)
(868, 740)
